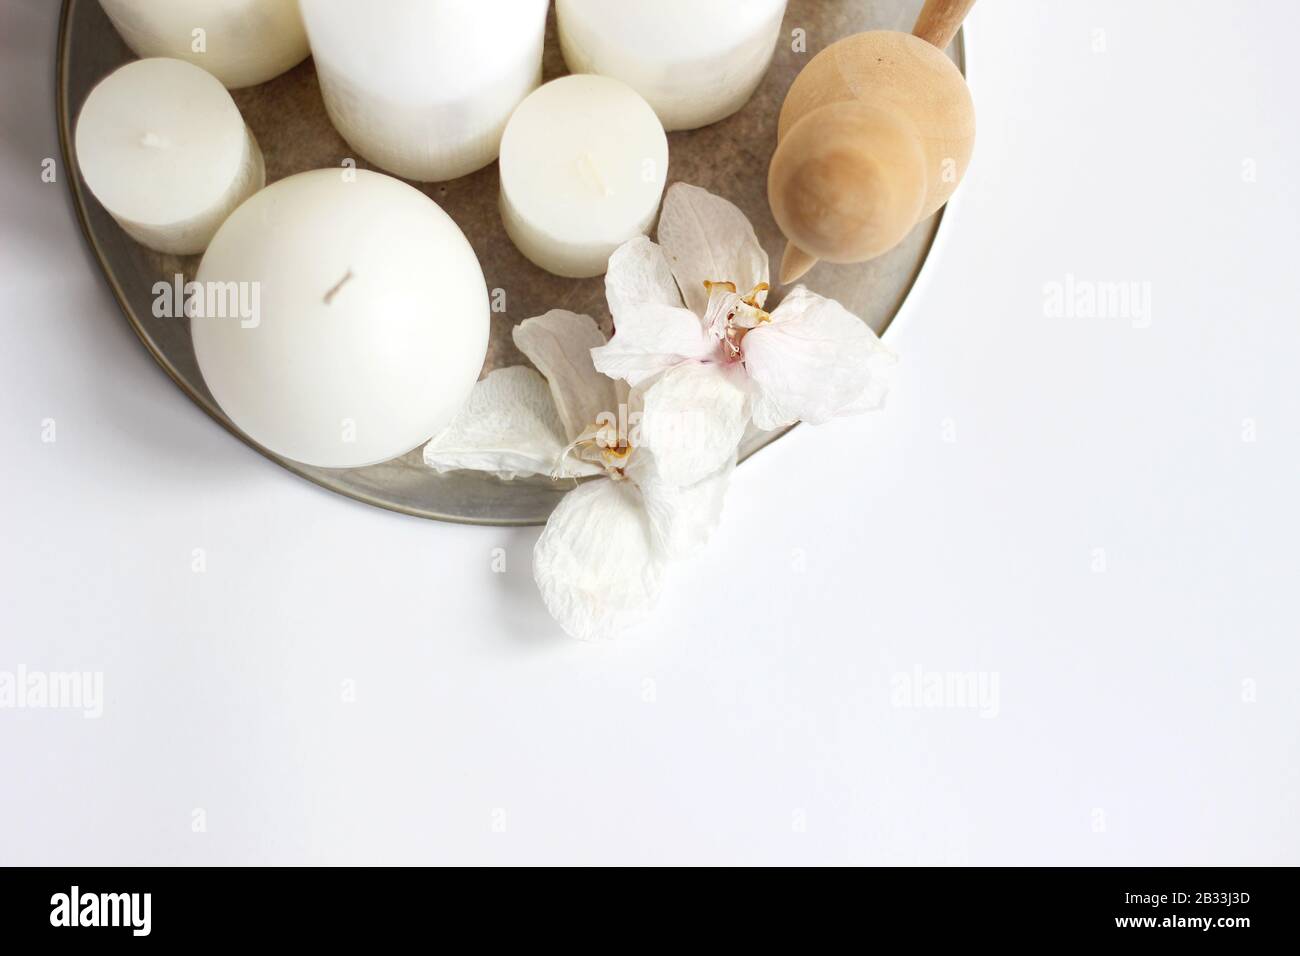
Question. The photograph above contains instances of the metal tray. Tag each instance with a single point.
(288, 117)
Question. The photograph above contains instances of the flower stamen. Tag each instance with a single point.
(735, 315)
(594, 446)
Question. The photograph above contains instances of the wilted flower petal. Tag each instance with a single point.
(707, 239)
(596, 564)
(559, 343)
(682, 519)
(692, 419)
(639, 275)
(652, 339)
(813, 362)
(509, 427)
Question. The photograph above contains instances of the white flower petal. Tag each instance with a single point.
(651, 339)
(692, 419)
(508, 426)
(682, 519)
(639, 275)
(596, 564)
(813, 362)
(881, 367)
(707, 239)
(559, 343)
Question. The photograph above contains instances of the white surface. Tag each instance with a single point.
(370, 324)
(695, 61)
(583, 165)
(847, 553)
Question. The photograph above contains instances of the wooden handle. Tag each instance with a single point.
(940, 20)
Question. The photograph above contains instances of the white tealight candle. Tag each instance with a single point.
(423, 89)
(370, 318)
(162, 146)
(240, 42)
(583, 166)
(695, 61)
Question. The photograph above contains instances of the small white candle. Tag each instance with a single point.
(583, 166)
(370, 324)
(162, 146)
(695, 61)
(423, 89)
(240, 42)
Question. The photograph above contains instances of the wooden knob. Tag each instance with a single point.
(893, 73)
(848, 181)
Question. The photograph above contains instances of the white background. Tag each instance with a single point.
(756, 721)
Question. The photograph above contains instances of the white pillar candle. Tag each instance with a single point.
(162, 146)
(583, 166)
(421, 88)
(369, 323)
(240, 42)
(695, 61)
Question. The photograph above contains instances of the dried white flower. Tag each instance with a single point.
(660, 467)
(694, 362)
(696, 300)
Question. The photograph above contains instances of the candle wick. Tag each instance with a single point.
(329, 296)
(587, 164)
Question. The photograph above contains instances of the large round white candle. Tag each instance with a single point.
(423, 89)
(583, 166)
(162, 146)
(368, 325)
(695, 61)
(240, 42)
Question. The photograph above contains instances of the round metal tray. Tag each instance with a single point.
(288, 117)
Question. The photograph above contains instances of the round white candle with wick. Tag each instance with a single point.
(694, 61)
(583, 167)
(162, 146)
(423, 89)
(372, 321)
(240, 42)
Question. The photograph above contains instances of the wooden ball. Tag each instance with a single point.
(848, 181)
(901, 73)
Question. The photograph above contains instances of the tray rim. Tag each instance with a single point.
(77, 195)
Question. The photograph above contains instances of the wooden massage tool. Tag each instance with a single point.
(874, 136)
